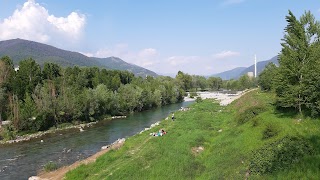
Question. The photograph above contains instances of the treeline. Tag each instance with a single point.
(196, 83)
(36, 98)
(296, 81)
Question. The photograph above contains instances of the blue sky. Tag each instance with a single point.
(197, 37)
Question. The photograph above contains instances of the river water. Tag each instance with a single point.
(22, 160)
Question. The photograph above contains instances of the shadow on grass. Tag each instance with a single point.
(285, 112)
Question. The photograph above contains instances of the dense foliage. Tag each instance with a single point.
(35, 98)
(296, 80)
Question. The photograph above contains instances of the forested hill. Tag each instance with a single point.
(19, 49)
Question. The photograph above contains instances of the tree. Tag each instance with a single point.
(214, 83)
(296, 58)
(184, 80)
(27, 78)
(267, 76)
(199, 82)
(6, 77)
(245, 82)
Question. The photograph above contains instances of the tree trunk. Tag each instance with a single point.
(299, 105)
(300, 100)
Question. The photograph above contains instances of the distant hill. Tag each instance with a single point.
(231, 74)
(237, 72)
(260, 66)
(19, 49)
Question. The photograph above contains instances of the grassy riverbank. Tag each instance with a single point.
(248, 138)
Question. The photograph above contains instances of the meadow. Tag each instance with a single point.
(246, 139)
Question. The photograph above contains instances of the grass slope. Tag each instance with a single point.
(248, 138)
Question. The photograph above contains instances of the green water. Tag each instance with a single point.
(22, 160)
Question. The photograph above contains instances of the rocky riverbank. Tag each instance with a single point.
(223, 98)
(60, 173)
(40, 134)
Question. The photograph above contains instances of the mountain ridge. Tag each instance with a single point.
(239, 71)
(19, 49)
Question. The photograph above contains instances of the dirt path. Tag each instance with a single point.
(61, 172)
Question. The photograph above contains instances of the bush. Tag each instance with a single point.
(248, 114)
(279, 155)
(50, 166)
(256, 121)
(198, 100)
(8, 132)
(270, 131)
(193, 94)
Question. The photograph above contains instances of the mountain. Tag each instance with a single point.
(260, 66)
(237, 72)
(19, 49)
(231, 74)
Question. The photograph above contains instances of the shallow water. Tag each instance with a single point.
(22, 160)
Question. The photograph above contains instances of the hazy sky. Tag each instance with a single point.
(196, 36)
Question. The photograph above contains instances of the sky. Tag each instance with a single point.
(201, 37)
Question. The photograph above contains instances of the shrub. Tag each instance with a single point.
(198, 100)
(248, 114)
(279, 155)
(50, 166)
(8, 132)
(270, 131)
(193, 94)
(256, 121)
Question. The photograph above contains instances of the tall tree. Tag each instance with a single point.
(27, 78)
(214, 83)
(6, 77)
(267, 76)
(296, 59)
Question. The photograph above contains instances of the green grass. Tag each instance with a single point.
(267, 144)
(50, 166)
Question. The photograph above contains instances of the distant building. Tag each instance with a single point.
(250, 74)
(16, 68)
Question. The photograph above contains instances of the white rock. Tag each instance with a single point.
(34, 178)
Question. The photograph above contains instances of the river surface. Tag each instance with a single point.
(22, 160)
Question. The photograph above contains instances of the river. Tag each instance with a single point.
(22, 160)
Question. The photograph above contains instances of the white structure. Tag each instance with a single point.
(250, 74)
(255, 66)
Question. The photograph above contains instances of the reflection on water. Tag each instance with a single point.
(22, 160)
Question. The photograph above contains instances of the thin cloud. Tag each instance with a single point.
(226, 54)
(231, 2)
(146, 57)
(180, 60)
(33, 22)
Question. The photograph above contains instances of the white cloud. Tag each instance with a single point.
(209, 68)
(231, 2)
(226, 54)
(33, 22)
(145, 57)
(149, 52)
(180, 60)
